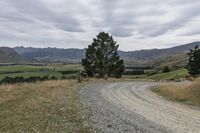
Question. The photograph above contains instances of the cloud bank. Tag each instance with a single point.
(135, 24)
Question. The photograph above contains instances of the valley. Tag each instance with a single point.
(105, 66)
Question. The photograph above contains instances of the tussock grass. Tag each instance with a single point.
(188, 93)
(50, 106)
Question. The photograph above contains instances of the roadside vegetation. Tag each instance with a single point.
(173, 75)
(188, 93)
(42, 72)
(49, 106)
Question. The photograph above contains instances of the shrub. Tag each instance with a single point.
(20, 79)
(63, 77)
(45, 78)
(166, 69)
(72, 77)
(69, 72)
(7, 80)
(127, 73)
(53, 78)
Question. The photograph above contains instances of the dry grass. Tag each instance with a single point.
(51, 106)
(188, 93)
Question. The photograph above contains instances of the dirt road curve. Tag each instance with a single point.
(132, 107)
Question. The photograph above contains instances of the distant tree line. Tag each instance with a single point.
(69, 72)
(21, 79)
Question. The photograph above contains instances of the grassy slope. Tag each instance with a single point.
(177, 74)
(188, 93)
(181, 73)
(51, 106)
(173, 61)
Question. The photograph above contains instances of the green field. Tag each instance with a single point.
(57, 70)
(71, 70)
(173, 75)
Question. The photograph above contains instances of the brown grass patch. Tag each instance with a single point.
(50, 106)
(188, 93)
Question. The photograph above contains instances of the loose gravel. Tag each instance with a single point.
(124, 107)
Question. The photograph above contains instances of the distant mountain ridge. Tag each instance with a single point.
(130, 57)
(8, 55)
(51, 54)
(158, 53)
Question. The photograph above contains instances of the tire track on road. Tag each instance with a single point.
(132, 107)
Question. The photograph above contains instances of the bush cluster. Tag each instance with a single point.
(69, 72)
(166, 69)
(134, 72)
(20, 79)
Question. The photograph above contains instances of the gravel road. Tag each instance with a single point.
(131, 107)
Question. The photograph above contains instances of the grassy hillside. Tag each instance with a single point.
(175, 61)
(173, 75)
(50, 106)
(188, 93)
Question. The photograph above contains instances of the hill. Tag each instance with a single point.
(8, 55)
(139, 57)
(51, 54)
(152, 54)
(175, 61)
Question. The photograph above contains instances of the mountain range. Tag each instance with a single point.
(175, 56)
(51, 54)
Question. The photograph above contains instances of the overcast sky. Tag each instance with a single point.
(134, 24)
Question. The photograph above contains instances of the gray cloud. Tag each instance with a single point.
(73, 23)
(39, 10)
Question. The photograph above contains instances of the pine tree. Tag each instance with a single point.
(193, 65)
(102, 58)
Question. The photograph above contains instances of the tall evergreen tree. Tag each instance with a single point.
(194, 61)
(102, 58)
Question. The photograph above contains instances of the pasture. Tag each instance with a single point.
(57, 70)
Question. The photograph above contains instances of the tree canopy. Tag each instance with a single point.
(193, 65)
(102, 58)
